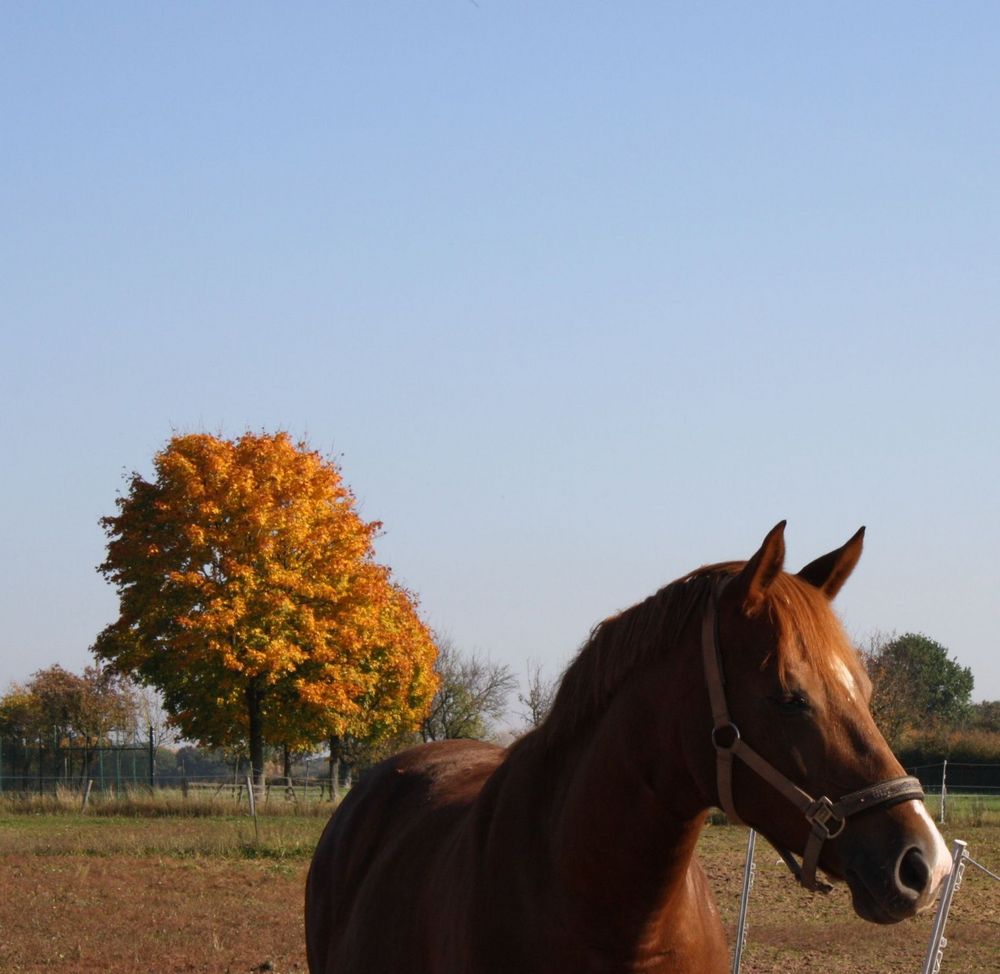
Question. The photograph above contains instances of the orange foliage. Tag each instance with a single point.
(249, 596)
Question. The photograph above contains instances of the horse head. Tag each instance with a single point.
(790, 746)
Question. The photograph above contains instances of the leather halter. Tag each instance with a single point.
(827, 819)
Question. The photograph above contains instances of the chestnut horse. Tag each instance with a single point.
(573, 849)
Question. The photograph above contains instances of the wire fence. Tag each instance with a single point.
(129, 769)
(41, 769)
(965, 777)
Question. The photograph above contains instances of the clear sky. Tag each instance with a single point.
(581, 295)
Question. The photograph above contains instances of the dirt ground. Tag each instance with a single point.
(127, 915)
(83, 913)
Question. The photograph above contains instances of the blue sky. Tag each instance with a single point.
(580, 295)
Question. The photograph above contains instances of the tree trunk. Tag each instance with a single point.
(256, 739)
(286, 771)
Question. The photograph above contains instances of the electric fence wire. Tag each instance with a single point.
(979, 865)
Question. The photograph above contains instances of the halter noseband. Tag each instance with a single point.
(827, 819)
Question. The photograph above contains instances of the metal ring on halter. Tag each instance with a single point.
(723, 727)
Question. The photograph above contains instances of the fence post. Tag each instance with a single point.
(86, 794)
(944, 787)
(937, 944)
(253, 809)
(152, 760)
(741, 926)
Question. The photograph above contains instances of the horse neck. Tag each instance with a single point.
(623, 818)
(629, 798)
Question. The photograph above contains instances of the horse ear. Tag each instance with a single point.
(829, 572)
(753, 581)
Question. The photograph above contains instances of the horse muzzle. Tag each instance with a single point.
(887, 890)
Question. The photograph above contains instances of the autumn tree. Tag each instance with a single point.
(471, 696)
(20, 715)
(250, 597)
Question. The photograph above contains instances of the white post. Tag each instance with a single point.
(253, 808)
(937, 944)
(741, 927)
(944, 787)
(86, 794)
(251, 797)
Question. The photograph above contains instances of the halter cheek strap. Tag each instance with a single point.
(826, 818)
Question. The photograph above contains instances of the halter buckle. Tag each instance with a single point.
(820, 813)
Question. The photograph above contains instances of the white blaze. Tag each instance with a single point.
(939, 858)
(846, 678)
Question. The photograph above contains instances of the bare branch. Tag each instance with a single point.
(537, 700)
(472, 696)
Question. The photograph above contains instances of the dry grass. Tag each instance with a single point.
(204, 802)
(181, 837)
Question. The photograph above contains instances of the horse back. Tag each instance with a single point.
(368, 886)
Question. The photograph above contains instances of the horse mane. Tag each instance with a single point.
(807, 627)
(618, 646)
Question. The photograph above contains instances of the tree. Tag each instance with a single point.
(914, 683)
(20, 723)
(473, 692)
(150, 717)
(250, 597)
(20, 715)
(985, 716)
(537, 701)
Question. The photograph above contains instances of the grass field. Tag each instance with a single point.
(155, 891)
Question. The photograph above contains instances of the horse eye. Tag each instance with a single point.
(791, 702)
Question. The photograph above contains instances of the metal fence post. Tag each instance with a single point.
(944, 787)
(152, 760)
(741, 926)
(937, 944)
(253, 808)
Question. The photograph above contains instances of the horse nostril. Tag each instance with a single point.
(912, 873)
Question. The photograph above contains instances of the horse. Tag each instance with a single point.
(573, 849)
